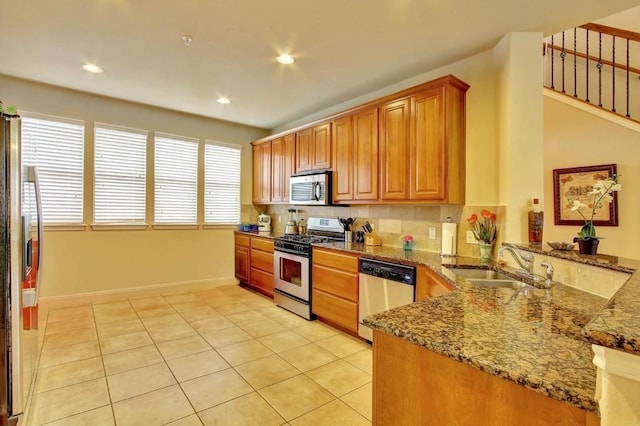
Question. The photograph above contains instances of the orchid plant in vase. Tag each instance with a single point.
(601, 193)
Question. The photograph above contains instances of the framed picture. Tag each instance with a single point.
(576, 183)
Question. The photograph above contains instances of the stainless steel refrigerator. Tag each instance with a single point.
(21, 270)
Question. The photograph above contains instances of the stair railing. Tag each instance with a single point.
(580, 83)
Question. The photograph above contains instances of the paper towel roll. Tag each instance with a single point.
(449, 235)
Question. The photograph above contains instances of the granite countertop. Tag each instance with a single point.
(270, 235)
(533, 339)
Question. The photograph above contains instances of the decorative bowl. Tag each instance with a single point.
(559, 245)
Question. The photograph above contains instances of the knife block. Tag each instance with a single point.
(372, 239)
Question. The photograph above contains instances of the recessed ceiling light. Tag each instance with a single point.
(92, 68)
(223, 100)
(285, 59)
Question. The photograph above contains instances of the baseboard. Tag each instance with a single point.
(68, 301)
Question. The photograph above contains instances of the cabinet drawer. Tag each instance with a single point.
(332, 259)
(262, 281)
(338, 283)
(262, 244)
(335, 309)
(262, 261)
(242, 240)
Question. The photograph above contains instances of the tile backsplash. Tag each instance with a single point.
(392, 222)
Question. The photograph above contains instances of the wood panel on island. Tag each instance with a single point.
(335, 288)
(405, 147)
(254, 262)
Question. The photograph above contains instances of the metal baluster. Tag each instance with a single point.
(575, 63)
(613, 75)
(552, 56)
(587, 85)
(628, 115)
(599, 70)
(562, 55)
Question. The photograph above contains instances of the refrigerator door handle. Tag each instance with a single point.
(29, 295)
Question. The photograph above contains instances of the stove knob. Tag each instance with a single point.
(384, 274)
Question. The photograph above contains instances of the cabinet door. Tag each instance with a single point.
(394, 150)
(262, 173)
(277, 170)
(428, 153)
(321, 145)
(262, 281)
(282, 166)
(242, 263)
(365, 154)
(343, 161)
(429, 284)
(303, 150)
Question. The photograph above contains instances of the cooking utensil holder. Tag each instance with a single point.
(372, 239)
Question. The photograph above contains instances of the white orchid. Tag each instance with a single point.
(602, 192)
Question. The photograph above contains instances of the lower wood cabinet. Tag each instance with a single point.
(242, 253)
(335, 287)
(254, 262)
(429, 284)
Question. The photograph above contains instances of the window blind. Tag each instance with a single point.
(120, 175)
(56, 147)
(221, 184)
(176, 180)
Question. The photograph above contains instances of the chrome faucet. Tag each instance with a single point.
(549, 273)
(524, 260)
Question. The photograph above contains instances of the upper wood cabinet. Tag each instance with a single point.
(395, 119)
(355, 157)
(262, 173)
(408, 147)
(313, 148)
(282, 167)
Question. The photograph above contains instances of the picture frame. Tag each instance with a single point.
(575, 183)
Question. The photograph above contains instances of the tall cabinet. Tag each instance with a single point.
(282, 166)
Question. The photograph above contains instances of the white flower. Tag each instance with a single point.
(577, 205)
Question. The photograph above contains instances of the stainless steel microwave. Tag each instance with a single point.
(311, 189)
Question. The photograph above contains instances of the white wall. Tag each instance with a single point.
(89, 261)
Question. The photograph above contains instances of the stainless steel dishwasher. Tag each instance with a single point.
(383, 286)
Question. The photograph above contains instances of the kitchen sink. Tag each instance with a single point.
(489, 278)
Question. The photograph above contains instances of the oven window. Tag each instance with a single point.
(291, 271)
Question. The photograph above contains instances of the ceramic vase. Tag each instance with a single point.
(587, 246)
(485, 251)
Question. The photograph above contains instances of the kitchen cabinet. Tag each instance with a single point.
(403, 373)
(335, 288)
(429, 284)
(254, 262)
(355, 157)
(262, 173)
(395, 120)
(282, 167)
(242, 265)
(261, 260)
(313, 148)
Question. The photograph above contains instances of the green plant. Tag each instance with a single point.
(10, 110)
(601, 192)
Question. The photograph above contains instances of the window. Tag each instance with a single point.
(221, 184)
(56, 147)
(176, 180)
(120, 175)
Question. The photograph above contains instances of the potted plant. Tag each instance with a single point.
(602, 192)
(485, 231)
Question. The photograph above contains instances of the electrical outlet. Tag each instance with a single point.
(279, 219)
(432, 233)
(471, 239)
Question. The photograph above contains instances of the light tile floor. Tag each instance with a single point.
(224, 356)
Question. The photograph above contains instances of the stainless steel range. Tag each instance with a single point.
(292, 264)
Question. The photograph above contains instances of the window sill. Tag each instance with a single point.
(119, 226)
(65, 227)
(175, 226)
(212, 226)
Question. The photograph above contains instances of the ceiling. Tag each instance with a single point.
(343, 48)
